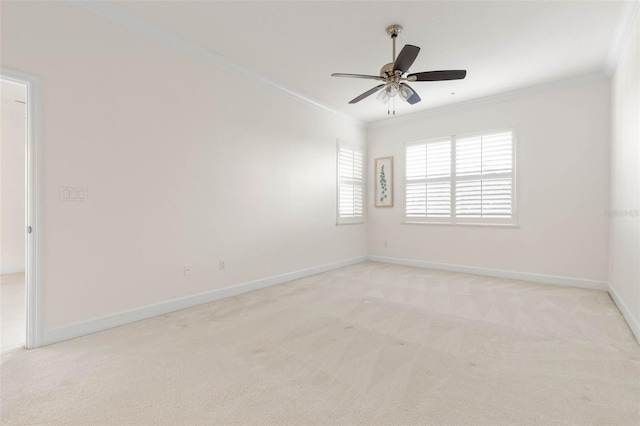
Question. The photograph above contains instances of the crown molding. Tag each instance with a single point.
(492, 99)
(178, 43)
(623, 30)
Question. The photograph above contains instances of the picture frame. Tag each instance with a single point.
(384, 182)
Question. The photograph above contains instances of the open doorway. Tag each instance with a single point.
(19, 211)
(13, 143)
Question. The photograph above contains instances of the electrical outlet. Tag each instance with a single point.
(223, 265)
(188, 270)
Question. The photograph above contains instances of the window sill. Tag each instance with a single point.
(361, 222)
(491, 225)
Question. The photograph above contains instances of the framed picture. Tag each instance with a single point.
(384, 182)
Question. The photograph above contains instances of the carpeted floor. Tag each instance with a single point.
(12, 312)
(370, 344)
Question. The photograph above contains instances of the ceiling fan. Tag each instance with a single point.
(392, 74)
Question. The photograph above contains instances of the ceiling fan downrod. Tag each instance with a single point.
(393, 31)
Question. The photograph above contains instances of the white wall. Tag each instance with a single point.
(563, 181)
(12, 226)
(624, 268)
(185, 164)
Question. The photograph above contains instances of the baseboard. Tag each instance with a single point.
(634, 325)
(6, 270)
(95, 325)
(526, 276)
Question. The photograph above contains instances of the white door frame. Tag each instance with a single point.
(33, 191)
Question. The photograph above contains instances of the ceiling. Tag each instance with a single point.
(504, 46)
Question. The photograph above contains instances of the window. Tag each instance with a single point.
(461, 179)
(350, 184)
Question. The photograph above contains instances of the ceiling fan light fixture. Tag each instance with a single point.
(383, 97)
(392, 89)
(405, 93)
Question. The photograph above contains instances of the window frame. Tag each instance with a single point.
(465, 221)
(350, 220)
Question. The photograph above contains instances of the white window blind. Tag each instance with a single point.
(468, 179)
(428, 180)
(350, 184)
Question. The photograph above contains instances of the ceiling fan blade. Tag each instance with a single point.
(405, 59)
(367, 93)
(438, 75)
(414, 98)
(370, 77)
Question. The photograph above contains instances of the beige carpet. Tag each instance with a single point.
(370, 344)
(12, 312)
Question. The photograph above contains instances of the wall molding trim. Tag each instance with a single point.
(492, 99)
(34, 179)
(200, 53)
(623, 30)
(498, 273)
(633, 323)
(95, 325)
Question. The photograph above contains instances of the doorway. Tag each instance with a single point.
(13, 142)
(19, 211)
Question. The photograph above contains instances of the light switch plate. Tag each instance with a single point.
(74, 194)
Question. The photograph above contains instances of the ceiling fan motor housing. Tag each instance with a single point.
(387, 70)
